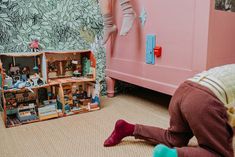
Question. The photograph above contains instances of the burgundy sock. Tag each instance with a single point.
(122, 129)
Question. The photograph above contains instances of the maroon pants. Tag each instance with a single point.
(194, 111)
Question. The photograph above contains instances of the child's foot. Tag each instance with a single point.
(164, 151)
(122, 129)
(107, 33)
(127, 23)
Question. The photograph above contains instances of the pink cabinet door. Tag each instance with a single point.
(181, 29)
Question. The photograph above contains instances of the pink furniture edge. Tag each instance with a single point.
(212, 44)
(221, 41)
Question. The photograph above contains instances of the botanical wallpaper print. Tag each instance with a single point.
(57, 24)
(100, 55)
(225, 5)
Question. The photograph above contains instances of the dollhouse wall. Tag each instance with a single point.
(44, 67)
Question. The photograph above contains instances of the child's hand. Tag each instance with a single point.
(231, 108)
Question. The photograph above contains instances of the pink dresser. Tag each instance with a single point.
(193, 36)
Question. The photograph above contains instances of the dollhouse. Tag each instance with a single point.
(43, 85)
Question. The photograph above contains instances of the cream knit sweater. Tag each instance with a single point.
(221, 81)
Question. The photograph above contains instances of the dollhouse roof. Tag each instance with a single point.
(31, 54)
(21, 54)
(68, 51)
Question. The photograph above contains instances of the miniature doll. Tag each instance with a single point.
(34, 45)
(77, 71)
(129, 16)
(96, 94)
(198, 108)
(68, 65)
(25, 74)
(14, 70)
(80, 94)
(35, 79)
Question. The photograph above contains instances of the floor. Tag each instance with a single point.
(83, 135)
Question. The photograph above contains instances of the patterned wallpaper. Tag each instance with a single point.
(57, 24)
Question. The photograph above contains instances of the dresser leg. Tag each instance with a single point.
(110, 86)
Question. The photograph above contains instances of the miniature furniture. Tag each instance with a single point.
(193, 37)
(43, 85)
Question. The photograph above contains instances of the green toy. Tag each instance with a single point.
(164, 151)
(86, 64)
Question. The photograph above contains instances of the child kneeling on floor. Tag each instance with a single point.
(198, 108)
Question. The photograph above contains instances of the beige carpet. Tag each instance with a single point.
(83, 135)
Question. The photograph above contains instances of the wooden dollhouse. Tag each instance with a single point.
(43, 85)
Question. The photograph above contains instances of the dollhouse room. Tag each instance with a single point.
(117, 78)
